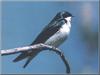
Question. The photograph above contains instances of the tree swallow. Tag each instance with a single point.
(54, 34)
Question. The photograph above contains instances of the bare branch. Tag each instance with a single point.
(20, 49)
(37, 46)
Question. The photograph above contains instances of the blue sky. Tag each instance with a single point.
(23, 21)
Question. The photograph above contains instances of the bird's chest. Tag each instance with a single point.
(59, 37)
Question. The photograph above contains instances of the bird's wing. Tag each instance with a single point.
(47, 32)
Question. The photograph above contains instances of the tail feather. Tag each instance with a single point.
(22, 56)
(29, 55)
(30, 58)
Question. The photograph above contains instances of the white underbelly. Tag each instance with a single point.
(59, 37)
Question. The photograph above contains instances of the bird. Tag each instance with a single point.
(54, 34)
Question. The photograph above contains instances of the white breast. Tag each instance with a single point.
(66, 28)
(60, 36)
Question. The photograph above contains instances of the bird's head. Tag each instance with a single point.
(63, 15)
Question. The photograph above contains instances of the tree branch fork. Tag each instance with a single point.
(40, 46)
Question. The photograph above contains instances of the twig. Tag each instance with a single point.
(37, 46)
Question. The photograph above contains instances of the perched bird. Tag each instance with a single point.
(54, 34)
